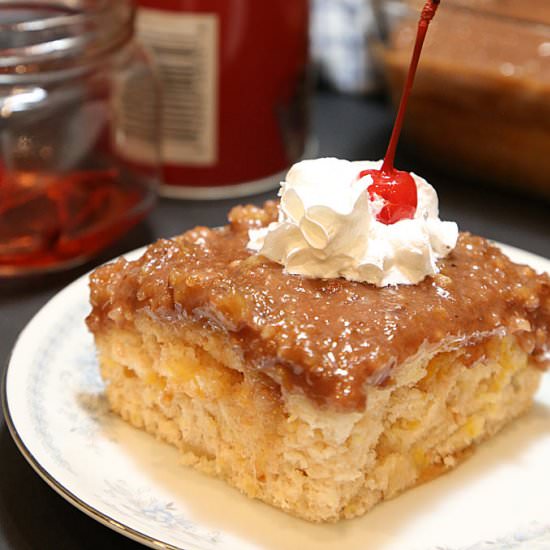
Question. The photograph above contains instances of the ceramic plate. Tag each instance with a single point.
(57, 413)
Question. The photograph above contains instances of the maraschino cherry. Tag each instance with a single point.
(395, 187)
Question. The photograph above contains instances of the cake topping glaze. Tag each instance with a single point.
(329, 339)
(328, 227)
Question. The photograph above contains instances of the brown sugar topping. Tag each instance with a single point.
(326, 338)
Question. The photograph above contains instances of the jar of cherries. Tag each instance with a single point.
(79, 131)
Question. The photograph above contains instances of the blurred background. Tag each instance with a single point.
(106, 105)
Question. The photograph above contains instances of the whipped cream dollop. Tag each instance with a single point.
(327, 228)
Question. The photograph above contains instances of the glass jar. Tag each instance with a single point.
(71, 179)
(234, 78)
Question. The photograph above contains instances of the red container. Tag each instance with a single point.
(234, 88)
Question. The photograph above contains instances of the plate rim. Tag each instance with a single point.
(59, 487)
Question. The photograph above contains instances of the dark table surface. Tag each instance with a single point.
(33, 516)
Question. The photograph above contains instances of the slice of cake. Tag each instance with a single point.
(321, 396)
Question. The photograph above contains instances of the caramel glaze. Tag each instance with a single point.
(327, 338)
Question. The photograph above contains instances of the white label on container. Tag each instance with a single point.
(134, 110)
(185, 47)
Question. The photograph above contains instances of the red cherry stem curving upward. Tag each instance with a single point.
(428, 13)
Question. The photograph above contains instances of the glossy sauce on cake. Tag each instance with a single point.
(327, 338)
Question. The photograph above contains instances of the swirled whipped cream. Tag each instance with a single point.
(327, 228)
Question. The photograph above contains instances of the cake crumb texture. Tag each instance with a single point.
(188, 386)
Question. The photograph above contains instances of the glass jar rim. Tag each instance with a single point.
(53, 35)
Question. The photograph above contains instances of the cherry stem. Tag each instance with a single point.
(427, 15)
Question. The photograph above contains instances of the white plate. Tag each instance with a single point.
(56, 411)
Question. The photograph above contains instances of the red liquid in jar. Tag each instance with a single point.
(47, 221)
(396, 187)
